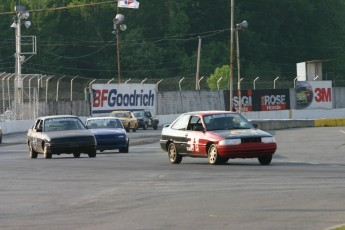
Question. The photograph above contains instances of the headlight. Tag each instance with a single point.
(230, 142)
(268, 140)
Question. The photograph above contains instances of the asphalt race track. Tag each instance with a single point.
(303, 188)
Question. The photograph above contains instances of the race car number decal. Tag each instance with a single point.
(193, 145)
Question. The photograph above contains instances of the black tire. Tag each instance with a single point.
(76, 155)
(124, 149)
(265, 160)
(174, 156)
(92, 154)
(213, 157)
(47, 155)
(32, 153)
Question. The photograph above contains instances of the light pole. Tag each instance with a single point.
(20, 15)
(239, 27)
(198, 65)
(118, 26)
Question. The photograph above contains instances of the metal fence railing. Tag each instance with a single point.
(62, 94)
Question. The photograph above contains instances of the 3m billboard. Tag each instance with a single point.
(314, 95)
(109, 97)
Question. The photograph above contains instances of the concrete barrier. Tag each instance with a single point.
(283, 124)
(17, 126)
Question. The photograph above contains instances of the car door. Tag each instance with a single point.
(36, 136)
(195, 136)
(179, 133)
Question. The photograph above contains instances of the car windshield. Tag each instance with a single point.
(104, 124)
(61, 124)
(121, 115)
(138, 114)
(226, 121)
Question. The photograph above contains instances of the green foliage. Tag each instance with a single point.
(161, 40)
(222, 73)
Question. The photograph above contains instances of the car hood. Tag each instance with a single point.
(108, 131)
(68, 135)
(238, 133)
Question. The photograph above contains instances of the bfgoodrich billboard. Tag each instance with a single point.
(110, 97)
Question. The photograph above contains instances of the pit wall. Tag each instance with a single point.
(268, 120)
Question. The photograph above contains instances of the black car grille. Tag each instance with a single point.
(250, 139)
(75, 139)
(110, 137)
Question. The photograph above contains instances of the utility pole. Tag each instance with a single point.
(198, 66)
(231, 54)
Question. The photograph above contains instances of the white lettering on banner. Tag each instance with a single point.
(273, 99)
(245, 101)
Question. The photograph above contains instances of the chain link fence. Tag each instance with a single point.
(42, 95)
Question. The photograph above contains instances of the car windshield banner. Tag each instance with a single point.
(314, 95)
(109, 97)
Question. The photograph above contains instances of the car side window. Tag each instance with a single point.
(181, 123)
(39, 124)
(194, 121)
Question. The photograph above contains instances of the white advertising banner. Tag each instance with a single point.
(314, 95)
(109, 97)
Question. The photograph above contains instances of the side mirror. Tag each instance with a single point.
(255, 125)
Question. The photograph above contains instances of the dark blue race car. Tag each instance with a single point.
(109, 132)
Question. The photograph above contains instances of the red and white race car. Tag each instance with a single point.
(218, 136)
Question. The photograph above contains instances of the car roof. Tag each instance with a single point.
(57, 116)
(121, 111)
(102, 118)
(208, 112)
